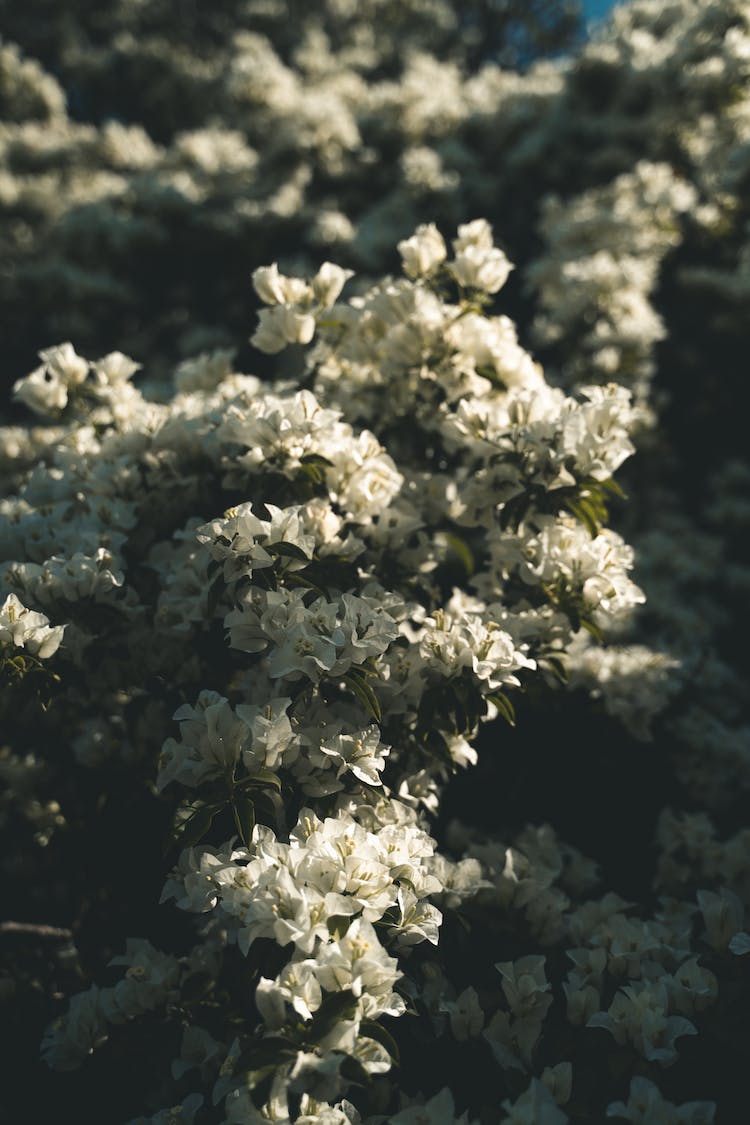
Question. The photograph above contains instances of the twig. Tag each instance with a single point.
(36, 929)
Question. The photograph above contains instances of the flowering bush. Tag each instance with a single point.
(256, 628)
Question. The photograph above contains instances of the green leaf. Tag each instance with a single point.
(612, 486)
(288, 550)
(434, 743)
(585, 513)
(504, 706)
(592, 628)
(194, 828)
(269, 1052)
(338, 924)
(336, 1007)
(332, 573)
(374, 1030)
(245, 818)
(353, 1071)
(364, 693)
(265, 578)
(573, 617)
(513, 511)
(462, 550)
(557, 668)
(262, 778)
(215, 591)
(468, 705)
(300, 578)
(313, 467)
(316, 459)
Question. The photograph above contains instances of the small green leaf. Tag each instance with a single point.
(612, 486)
(374, 1031)
(435, 744)
(261, 778)
(287, 550)
(584, 512)
(265, 578)
(557, 668)
(299, 578)
(316, 459)
(574, 618)
(513, 511)
(245, 818)
(336, 1007)
(592, 628)
(331, 573)
(353, 1071)
(504, 706)
(462, 550)
(364, 693)
(194, 828)
(269, 1052)
(338, 924)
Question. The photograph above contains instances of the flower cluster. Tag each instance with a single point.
(261, 621)
(354, 671)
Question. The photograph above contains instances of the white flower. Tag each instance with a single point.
(83, 1028)
(362, 754)
(213, 738)
(114, 369)
(42, 391)
(646, 1105)
(477, 233)
(466, 1015)
(282, 325)
(328, 283)
(296, 985)
(276, 289)
(23, 628)
(439, 1110)
(723, 915)
(359, 962)
(477, 267)
(423, 252)
(535, 1106)
(639, 1015)
(63, 364)
(270, 730)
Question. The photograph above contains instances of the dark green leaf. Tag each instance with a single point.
(300, 578)
(612, 486)
(262, 778)
(353, 1071)
(336, 1007)
(269, 1052)
(435, 744)
(584, 512)
(504, 706)
(557, 667)
(316, 459)
(592, 628)
(288, 550)
(331, 573)
(245, 817)
(338, 924)
(462, 551)
(194, 828)
(262, 1085)
(364, 693)
(374, 1030)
